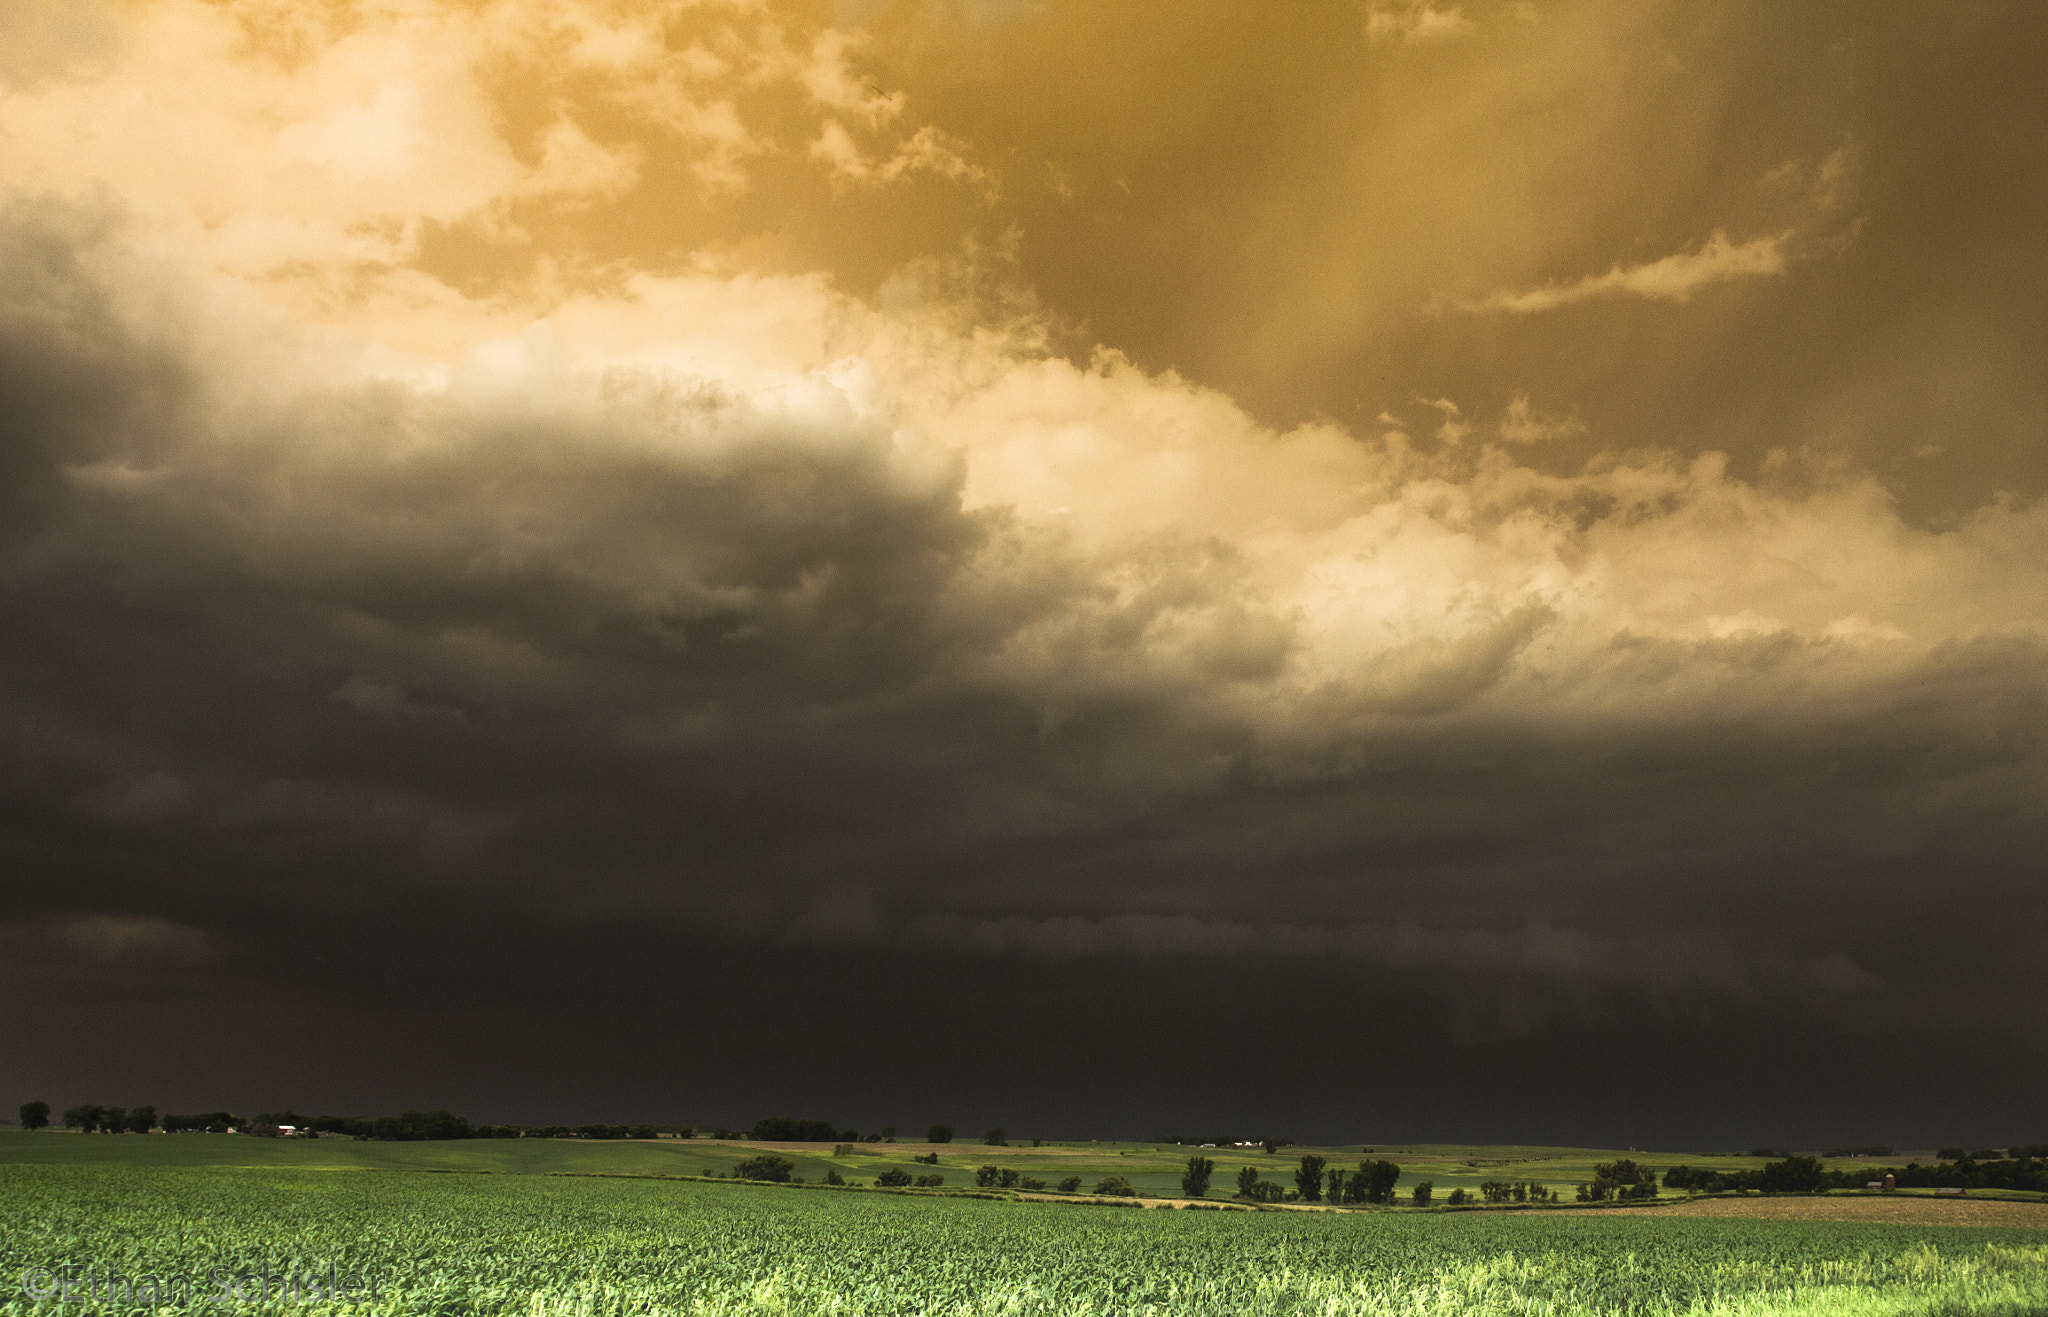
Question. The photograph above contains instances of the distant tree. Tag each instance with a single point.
(888, 1134)
(35, 1115)
(939, 1134)
(1115, 1186)
(1030, 1185)
(1422, 1192)
(1273, 1145)
(928, 1158)
(1071, 1185)
(1375, 1181)
(1336, 1181)
(114, 1120)
(1195, 1183)
(849, 1136)
(767, 1166)
(930, 1181)
(1496, 1191)
(86, 1118)
(893, 1178)
(832, 1176)
(1950, 1155)
(1793, 1175)
(997, 1137)
(985, 1176)
(1009, 1178)
(782, 1129)
(1458, 1198)
(1247, 1180)
(1308, 1178)
(142, 1120)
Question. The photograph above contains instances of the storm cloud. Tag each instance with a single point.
(688, 647)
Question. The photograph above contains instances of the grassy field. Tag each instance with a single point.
(1151, 1168)
(461, 1245)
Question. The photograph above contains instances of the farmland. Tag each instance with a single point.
(1152, 1168)
(611, 1245)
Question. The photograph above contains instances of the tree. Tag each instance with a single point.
(893, 1179)
(1423, 1191)
(985, 1176)
(1247, 1180)
(782, 1129)
(1195, 1184)
(1458, 1198)
(767, 1166)
(1375, 1181)
(832, 1176)
(1794, 1175)
(1115, 1186)
(1625, 1179)
(1071, 1185)
(939, 1134)
(930, 1181)
(1273, 1145)
(35, 1115)
(1308, 1178)
(888, 1134)
(114, 1120)
(997, 1137)
(142, 1120)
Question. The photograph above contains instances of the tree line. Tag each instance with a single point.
(2027, 1170)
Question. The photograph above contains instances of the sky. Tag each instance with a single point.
(1363, 571)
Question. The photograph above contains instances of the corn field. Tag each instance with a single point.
(456, 1245)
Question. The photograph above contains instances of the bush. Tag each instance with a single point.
(1030, 1185)
(928, 1159)
(985, 1176)
(1423, 1191)
(1195, 1183)
(939, 1134)
(929, 1181)
(1071, 1185)
(1458, 1198)
(832, 1176)
(893, 1179)
(767, 1166)
(1010, 1177)
(997, 1137)
(1115, 1186)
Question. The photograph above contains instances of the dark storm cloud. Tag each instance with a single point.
(545, 548)
(551, 651)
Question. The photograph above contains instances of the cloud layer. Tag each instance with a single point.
(365, 585)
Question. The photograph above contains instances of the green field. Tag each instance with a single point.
(1152, 1168)
(598, 1242)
